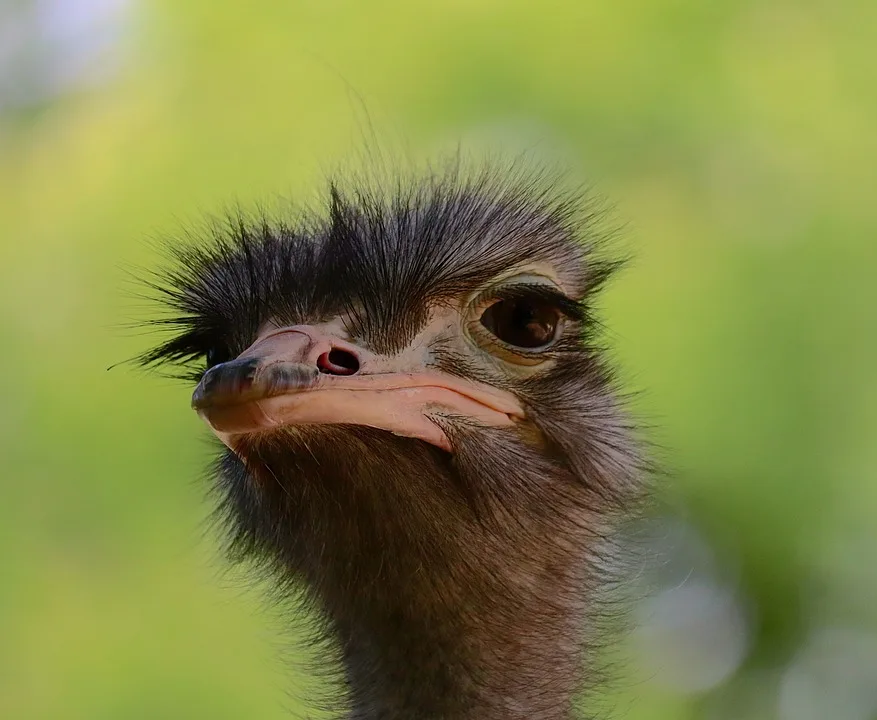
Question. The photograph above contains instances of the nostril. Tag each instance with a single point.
(338, 362)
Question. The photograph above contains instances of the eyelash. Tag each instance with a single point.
(567, 307)
(571, 312)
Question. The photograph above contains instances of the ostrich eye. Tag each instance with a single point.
(216, 356)
(528, 323)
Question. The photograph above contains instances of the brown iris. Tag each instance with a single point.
(528, 323)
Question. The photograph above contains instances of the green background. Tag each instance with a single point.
(738, 142)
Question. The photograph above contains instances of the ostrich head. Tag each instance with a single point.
(419, 427)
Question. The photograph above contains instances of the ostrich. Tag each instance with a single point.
(418, 425)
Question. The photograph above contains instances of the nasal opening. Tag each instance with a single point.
(338, 362)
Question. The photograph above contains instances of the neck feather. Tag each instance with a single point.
(496, 637)
(450, 593)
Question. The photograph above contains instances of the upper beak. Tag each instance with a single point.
(299, 375)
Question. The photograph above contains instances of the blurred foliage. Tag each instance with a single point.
(737, 140)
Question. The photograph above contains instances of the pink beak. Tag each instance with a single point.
(299, 375)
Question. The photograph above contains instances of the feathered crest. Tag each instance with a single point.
(381, 248)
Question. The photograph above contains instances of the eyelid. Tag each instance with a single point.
(522, 287)
(549, 294)
(503, 351)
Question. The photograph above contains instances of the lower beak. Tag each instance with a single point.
(297, 376)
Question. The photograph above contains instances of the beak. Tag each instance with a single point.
(299, 376)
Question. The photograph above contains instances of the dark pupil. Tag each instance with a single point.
(522, 323)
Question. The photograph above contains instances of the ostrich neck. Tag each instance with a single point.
(460, 620)
(506, 656)
(454, 588)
